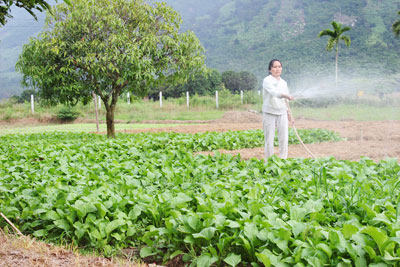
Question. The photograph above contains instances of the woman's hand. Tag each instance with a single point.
(288, 97)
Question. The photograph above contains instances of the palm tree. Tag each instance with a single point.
(396, 27)
(335, 37)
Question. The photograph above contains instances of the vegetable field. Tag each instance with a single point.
(150, 192)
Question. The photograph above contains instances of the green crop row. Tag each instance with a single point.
(207, 141)
(149, 191)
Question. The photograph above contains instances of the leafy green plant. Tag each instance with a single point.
(151, 192)
(67, 114)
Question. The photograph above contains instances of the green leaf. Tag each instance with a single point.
(189, 240)
(264, 258)
(79, 233)
(206, 260)
(263, 234)
(176, 253)
(131, 231)
(84, 208)
(395, 239)
(146, 252)
(180, 199)
(371, 252)
(233, 224)
(298, 227)
(117, 236)
(246, 244)
(325, 248)
(113, 225)
(389, 257)
(298, 213)
(349, 230)
(102, 210)
(135, 212)
(378, 235)
(250, 231)
(51, 215)
(206, 233)
(38, 211)
(39, 233)
(193, 222)
(337, 240)
(233, 259)
(63, 224)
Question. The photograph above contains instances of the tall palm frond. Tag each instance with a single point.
(396, 27)
(346, 40)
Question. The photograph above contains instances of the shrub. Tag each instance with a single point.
(67, 114)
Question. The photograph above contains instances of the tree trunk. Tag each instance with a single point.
(337, 59)
(110, 121)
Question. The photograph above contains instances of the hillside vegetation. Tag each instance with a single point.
(243, 35)
(246, 34)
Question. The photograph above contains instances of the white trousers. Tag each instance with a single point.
(280, 122)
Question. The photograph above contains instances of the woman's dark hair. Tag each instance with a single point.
(271, 63)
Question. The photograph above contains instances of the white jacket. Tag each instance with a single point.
(273, 103)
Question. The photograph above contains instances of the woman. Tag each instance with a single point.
(275, 110)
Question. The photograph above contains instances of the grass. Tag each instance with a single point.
(76, 127)
(348, 112)
(26, 251)
(368, 108)
(137, 111)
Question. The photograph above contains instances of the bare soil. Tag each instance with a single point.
(376, 140)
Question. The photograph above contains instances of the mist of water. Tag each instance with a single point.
(349, 85)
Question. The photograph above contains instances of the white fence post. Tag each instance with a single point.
(96, 110)
(160, 99)
(241, 96)
(128, 98)
(187, 99)
(99, 103)
(32, 105)
(216, 99)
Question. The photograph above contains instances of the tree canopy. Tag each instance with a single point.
(108, 47)
(202, 83)
(237, 81)
(28, 5)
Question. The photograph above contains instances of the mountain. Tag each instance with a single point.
(245, 34)
(13, 36)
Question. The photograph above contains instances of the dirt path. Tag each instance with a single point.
(374, 139)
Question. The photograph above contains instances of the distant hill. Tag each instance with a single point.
(245, 34)
(13, 36)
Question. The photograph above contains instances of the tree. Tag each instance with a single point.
(248, 81)
(334, 37)
(235, 82)
(109, 47)
(231, 81)
(28, 5)
(202, 83)
(25, 96)
(396, 27)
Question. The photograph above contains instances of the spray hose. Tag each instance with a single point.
(297, 134)
(301, 141)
